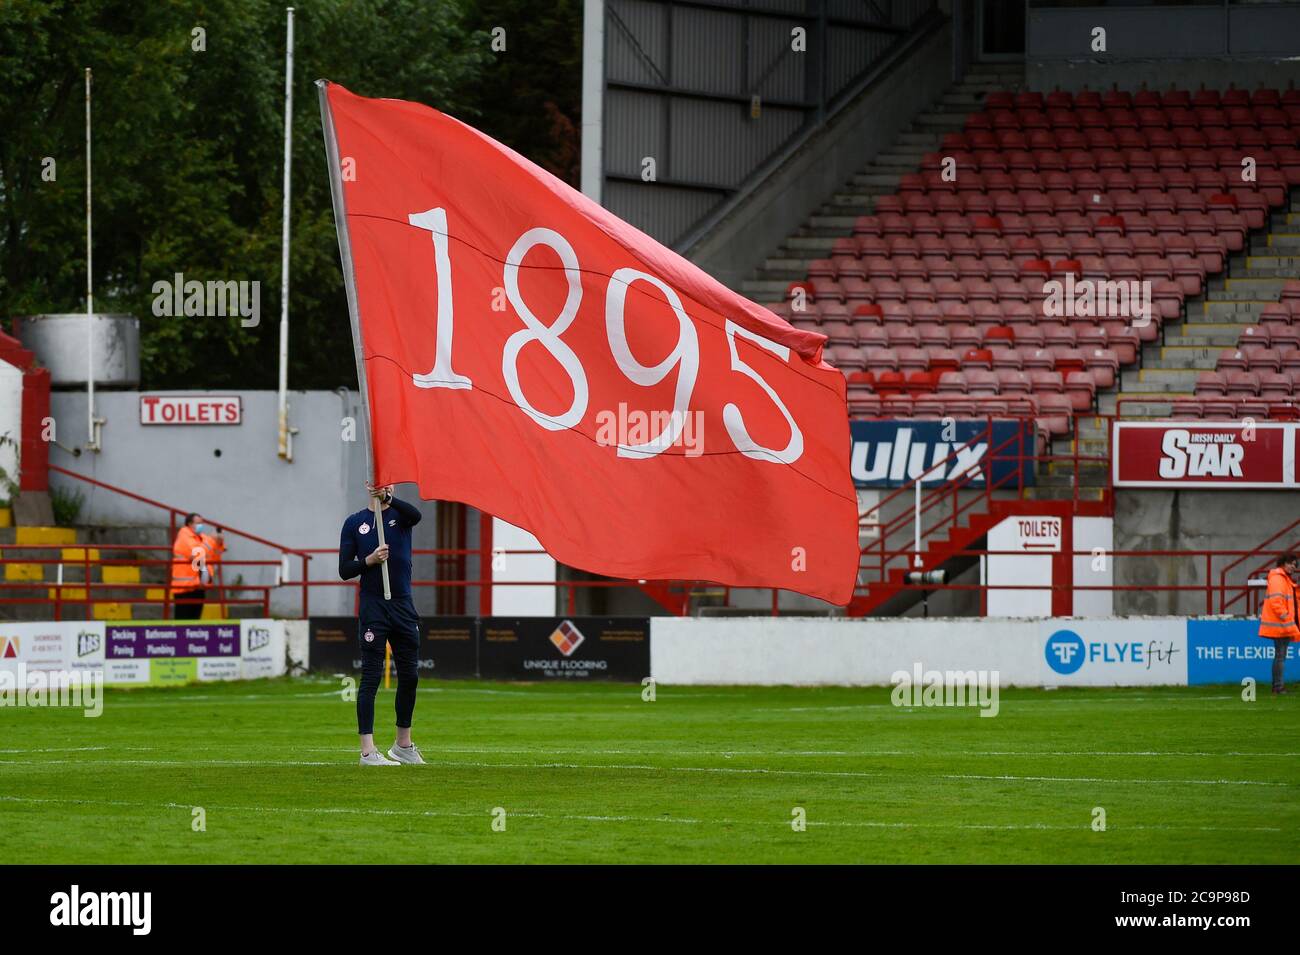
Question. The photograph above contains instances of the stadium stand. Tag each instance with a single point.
(934, 300)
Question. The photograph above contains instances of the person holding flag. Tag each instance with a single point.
(381, 557)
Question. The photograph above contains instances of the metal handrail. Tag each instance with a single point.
(174, 512)
(950, 489)
(1207, 587)
(1292, 530)
(226, 528)
(1224, 603)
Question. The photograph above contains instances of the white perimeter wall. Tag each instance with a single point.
(770, 651)
(520, 601)
(1097, 536)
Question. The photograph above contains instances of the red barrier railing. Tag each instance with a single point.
(1273, 410)
(87, 592)
(175, 517)
(1229, 593)
(879, 556)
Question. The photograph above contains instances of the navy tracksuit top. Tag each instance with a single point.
(359, 538)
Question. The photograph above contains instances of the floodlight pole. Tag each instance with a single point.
(92, 423)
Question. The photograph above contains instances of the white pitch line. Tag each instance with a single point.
(168, 762)
(724, 753)
(636, 767)
(216, 698)
(581, 817)
(732, 753)
(863, 775)
(349, 810)
(1007, 705)
(684, 696)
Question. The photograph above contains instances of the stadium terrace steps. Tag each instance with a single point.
(117, 574)
(1213, 328)
(943, 550)
(880, 178)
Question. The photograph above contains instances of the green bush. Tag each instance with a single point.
(66, 505)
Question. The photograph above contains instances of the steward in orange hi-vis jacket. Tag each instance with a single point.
(1277, 619)
(195, 553)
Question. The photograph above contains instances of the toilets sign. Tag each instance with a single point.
(190, 409)
(1036, 535)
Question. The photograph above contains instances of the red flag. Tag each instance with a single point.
(528, 353)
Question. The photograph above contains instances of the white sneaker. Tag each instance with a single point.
(377, 758)
(406, 754)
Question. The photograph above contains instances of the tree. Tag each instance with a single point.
(188, 162)
(540, 74)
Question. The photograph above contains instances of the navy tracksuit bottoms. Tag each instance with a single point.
(394, 622)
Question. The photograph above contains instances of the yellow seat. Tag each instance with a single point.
(118, 574)
(110, 610)
(43, 536)
(79, 554)
(6, 517)
(69, 593)
(24, 572)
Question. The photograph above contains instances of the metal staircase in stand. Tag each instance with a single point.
(956, 517)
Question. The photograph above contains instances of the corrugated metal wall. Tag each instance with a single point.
(680, 77)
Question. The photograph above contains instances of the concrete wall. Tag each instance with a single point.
(1210, 72)
(1243, 45)
(1188, 520)
(738, 243)
(233, 475)
(802, 651)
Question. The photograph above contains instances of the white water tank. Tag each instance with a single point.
(60, 343)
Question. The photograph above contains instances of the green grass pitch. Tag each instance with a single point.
(592, 773)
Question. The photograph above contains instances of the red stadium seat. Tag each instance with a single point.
(1211, 383)
(1081, 389)
(1274, 386)
(944, 359)
(1242, 383)
(1055, 413)
(1103, 363)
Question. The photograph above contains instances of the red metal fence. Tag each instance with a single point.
(1223, 583)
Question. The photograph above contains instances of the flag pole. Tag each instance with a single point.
(350, 286)
(379, 529)
(285, 444)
